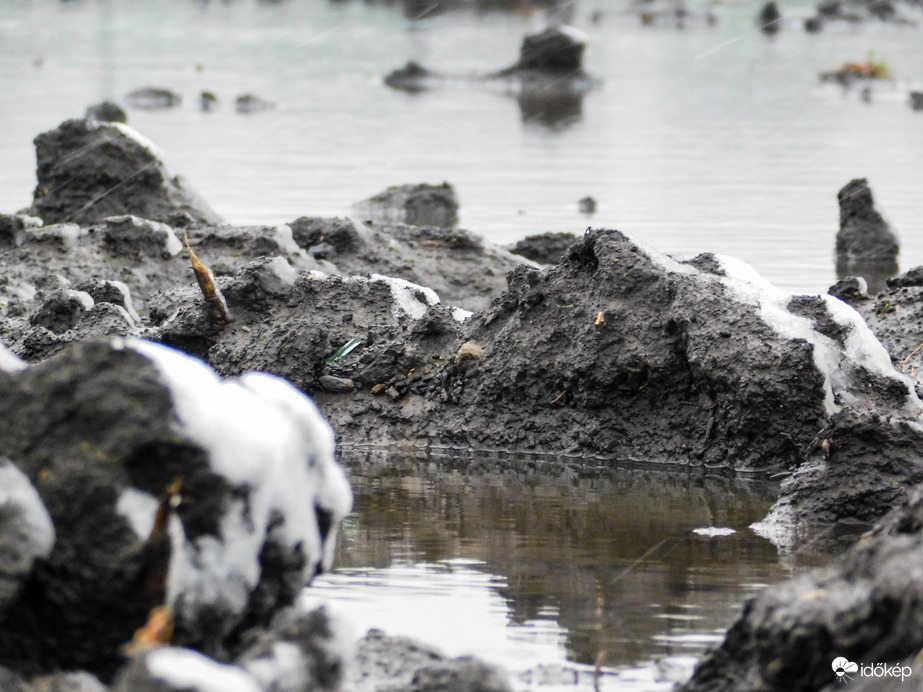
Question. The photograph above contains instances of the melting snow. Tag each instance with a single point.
(9, 361)
(834, 362)
(18, 493)
(260, 433)
(410, 298)
(186, 669)
(284, 669)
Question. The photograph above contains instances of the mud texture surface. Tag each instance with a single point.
(617, 352)
(858, 467)
(867, 606)
(464, 269)
(584, 356)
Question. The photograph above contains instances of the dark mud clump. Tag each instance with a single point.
(88, 170)
(865, 244)
(544, 248)
(417, 205)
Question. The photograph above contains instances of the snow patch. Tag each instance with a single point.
(20, 289)
(69, 233)
(834, 362)
(460, 315)
(411, 299)
(264, 435)
(82, 297)
(285, 240)
(9, 361)
(138, 508)
(187, 669)
(139, 139)
(19, 495)
(126, 296)
(283, 670)
(283, 271)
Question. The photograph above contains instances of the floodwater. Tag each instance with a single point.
(550, 571)
(712, 138)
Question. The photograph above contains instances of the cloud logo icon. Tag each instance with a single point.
(841, 666)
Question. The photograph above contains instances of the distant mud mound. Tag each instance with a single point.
(91, 169)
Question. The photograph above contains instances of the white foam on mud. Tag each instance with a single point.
(19, 495)
(9, 361)
(263, 434)
(409, 298)
(187, 669)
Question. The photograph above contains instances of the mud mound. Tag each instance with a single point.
(459, 265)
(625, 352)
(417, 205)
(858, 467)
(91, 169)
(894, 316)
(865, 243)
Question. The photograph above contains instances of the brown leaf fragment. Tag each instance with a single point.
(157, 632)
(218, 311)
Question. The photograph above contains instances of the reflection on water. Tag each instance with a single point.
(526, 567)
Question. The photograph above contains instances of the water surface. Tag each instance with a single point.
(549, 572)
(708, 139)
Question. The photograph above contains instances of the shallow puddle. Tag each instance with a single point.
(548, 571)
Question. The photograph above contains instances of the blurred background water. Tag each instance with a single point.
(713, 138)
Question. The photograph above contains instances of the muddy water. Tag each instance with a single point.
(548, 571)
